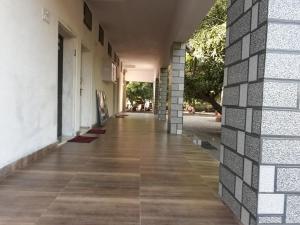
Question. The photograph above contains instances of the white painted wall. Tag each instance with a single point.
(107, 87)
(28, 73)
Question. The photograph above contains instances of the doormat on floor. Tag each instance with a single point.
(120, 117)
(83, 139)
(96, 131)
(207, 145)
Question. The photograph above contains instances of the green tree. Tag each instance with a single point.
(139, 92)
(205, 58)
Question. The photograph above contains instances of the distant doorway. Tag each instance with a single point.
(65, 83)
(139, 96)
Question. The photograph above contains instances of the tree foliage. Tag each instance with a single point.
(205, 58)
(139, 92)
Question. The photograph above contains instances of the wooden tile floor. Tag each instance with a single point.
(134, 174)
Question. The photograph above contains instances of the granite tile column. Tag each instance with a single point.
(156, 96)
(176, 88)
(163, 92)
(260, 151)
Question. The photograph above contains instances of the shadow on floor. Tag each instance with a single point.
(204, 131)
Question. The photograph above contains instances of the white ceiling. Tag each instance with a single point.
(140, 75)
(141, 31)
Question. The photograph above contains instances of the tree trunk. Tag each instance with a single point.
(215, 104)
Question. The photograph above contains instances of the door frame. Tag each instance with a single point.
(71, 47)
(88, 74)
(60, 75)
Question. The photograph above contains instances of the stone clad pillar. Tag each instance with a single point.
(176, 88)
(163, 92)
(156, 96)
(260, 151)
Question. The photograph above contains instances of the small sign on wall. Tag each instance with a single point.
(46, 15)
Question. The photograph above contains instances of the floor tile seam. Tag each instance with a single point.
(206, 221)
(114, 158)
(174, 174)
(56, 197)
(32, 171)
(46, 209)
(93, 199)
(107, 174)
(31, 192)
(183, 201)
(52, 172)
(174, 186)
(195, 169)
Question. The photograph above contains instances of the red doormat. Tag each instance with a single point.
(96, 131)
(83, 139)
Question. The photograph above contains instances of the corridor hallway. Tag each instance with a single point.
(134, 174)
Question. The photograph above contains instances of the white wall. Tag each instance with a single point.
(28, 72)
(107, 87)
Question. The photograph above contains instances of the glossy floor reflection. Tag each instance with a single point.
(134, 174)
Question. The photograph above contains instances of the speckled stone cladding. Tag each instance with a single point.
(176, 88)
(260, 166)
